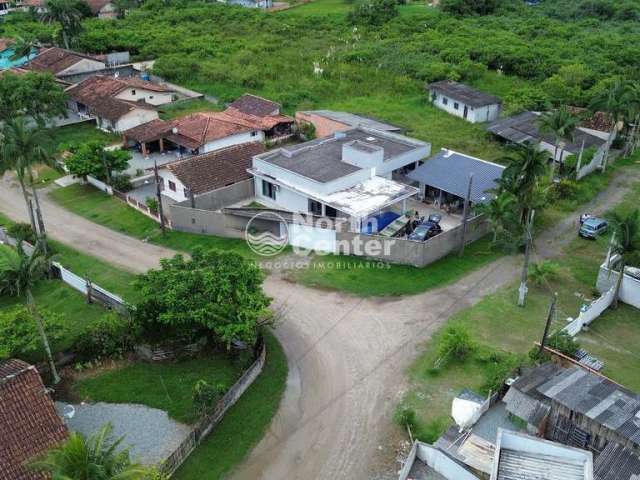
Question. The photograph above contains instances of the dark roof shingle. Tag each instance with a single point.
(54, 60)
(254, 105)
(29, 424)
(216, 169)
(464, 93)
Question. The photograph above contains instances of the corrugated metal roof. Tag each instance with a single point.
(519, 465)
(449, 171)
(616, 462)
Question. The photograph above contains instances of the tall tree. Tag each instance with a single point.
(633, 115)
(19, 272)
(526, 165)
(68, 14)
(500, 213)
(613, 102)
(34, 95)
(95, 458)
(24, 147)
(561, 124)
(23, 47)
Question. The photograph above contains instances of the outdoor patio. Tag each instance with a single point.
(145, 162)
(448, 222)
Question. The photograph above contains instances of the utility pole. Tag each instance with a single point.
(158, 196)
(106, 167)
(550, 315)
(465, 215)
(522, 291)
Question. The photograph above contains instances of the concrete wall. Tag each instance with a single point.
(629, 288)
(409, 252)
(436, 460)
(285, 198)
(223, 197)
(83, 66)
(324, 126)
(487, 113)
(134, 118)
(246, 137)
(150, 97)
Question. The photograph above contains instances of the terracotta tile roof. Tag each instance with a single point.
(32, 3)
(259, 123)
(6, 42)
(97, 93)
(198, 129)
(217, 169)
(596, 121)
(148, 132)
(254, 105)
(55, 60)
(29, 424)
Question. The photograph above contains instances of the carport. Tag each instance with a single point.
(444, 179)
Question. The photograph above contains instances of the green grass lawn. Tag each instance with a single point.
(366, 278)
(80, 133)
(180, 109)
(244, 424)
(498, 323)
(45, 175)
(164, 385)
(97, 206)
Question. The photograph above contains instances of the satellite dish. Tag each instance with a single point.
(69, 411)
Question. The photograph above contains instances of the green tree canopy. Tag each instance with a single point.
(91, 158)
(374, 12)
(219, 292)
(19, 337)
(469, 7)
(36, 95)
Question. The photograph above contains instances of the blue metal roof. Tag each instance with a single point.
(449, 171)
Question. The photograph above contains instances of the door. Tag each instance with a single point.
(466, 112)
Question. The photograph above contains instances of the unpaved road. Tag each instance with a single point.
(347, 356)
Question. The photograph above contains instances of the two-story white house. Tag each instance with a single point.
(347, 175)
(463, 101)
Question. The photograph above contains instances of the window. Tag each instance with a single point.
(268, 190)
(133, 92)
(186, 192)
(150, 97)
(330, 212)
(445, 100)
(254, 134)
(455, 105)
(172, 186)
(315, 207)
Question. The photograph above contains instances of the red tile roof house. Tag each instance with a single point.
(117, 104)
(103, 8)
(248, 119)
(61, 63)
(209, 172)
(29, 424)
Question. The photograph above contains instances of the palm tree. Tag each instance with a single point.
(93, 458)
(23, 148)
(525, 166)
(19, 272)
(614, 103)
(626, 231)
(68, 14)
(499, 212)
(23, 48)
(561, 124)
(633, 114)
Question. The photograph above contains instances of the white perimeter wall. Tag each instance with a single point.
(255, 136)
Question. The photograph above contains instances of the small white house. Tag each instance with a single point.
(348, 175)
(463, 101)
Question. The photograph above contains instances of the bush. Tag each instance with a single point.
(469, 7)
(542, 272)
(307, 131)
(121, 182)
(152, 203)
(110, 337)
(206, 396)
(456, 343)
(405, 417)
(19, 335)
(563, 343)
(22, 232)
(374, 12)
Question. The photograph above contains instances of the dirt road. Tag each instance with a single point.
(347, 356)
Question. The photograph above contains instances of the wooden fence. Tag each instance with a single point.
(212, 418)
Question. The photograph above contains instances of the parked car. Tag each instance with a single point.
(425, 231)
(593, 227)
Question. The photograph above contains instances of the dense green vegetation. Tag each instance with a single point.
(530, 56)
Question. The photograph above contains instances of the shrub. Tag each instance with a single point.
(469, 7)
(121, 182)
(307, 130)
(564, 343)
(374, 12)
(152, 203)
(565, 189)
(456, 343)
(405, 417)
(206, 396)
(110, 336)
(22, 232)
(542, 272)
(19, 335)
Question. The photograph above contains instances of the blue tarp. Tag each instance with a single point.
(377, 223)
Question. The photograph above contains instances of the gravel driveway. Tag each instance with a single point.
(149, 433)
